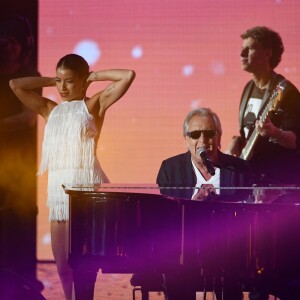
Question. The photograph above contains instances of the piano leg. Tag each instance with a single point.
(179, 286)
(228, 288)
(84, 284)
(182, 294)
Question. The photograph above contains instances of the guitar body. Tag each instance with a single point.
(272, 105)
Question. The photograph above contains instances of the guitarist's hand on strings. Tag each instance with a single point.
(266, 128)
(276, 135)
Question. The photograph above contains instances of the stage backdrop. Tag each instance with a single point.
(185, 54)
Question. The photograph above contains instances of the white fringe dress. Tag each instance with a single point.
(69, 154)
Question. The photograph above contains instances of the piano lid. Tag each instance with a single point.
(122, 188)
(265, 194)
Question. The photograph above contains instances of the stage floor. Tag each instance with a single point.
(108, 286)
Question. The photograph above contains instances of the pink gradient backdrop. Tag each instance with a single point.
(190, 58)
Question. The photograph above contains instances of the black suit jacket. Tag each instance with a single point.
(177, 171)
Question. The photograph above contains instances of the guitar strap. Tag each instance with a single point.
(276, 78)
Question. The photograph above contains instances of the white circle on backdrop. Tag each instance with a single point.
(137, 52)
(187, 70)
(88, 49)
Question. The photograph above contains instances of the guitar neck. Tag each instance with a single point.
(248, 149)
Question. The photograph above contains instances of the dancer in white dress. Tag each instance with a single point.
(69, 153)
(70, 139)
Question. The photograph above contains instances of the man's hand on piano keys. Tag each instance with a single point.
(204, 191)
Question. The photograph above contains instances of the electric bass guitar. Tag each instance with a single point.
(272, 105)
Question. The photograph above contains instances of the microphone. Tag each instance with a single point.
(206, 160)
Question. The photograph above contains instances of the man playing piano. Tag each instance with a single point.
(198, 174)
(204, 165)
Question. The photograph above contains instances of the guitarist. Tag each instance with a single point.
(275, 155)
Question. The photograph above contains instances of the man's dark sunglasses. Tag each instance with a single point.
(209, 134)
